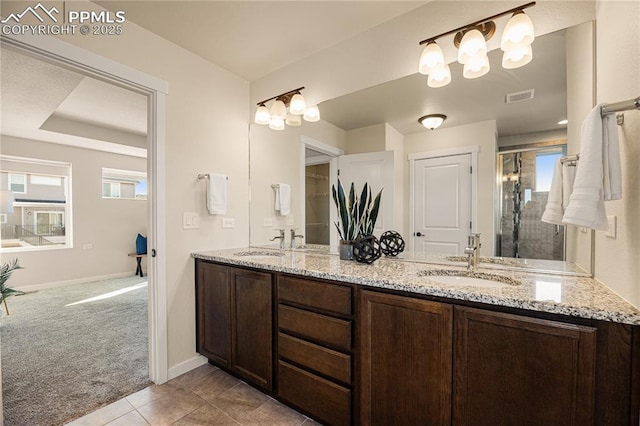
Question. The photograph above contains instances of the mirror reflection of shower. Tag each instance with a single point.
(524, 188)
(317, 199)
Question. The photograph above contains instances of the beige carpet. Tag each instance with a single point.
(69, 350)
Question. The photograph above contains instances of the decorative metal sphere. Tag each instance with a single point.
(391, 243)
(366, 249)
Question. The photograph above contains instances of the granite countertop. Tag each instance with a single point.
(566, 295)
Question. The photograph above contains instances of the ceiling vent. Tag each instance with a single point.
(525, 95)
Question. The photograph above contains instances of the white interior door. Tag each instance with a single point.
(442, 204)
(376, 169)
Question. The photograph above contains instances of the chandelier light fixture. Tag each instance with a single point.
(471, 41)
(288, 108)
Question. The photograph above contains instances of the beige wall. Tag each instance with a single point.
(394, 141)
(482, 134)
(276, 157)
(366, 139)
(110, 225)
(207, 131)
(618, 62)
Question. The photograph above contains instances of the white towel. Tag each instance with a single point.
(217, 194)
(283, 199)
(597, 145)
(561, 188)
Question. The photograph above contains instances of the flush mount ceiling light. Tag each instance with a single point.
(471, 41)
(432, 121)
(289, 107)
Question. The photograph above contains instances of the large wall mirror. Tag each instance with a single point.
(505, 129)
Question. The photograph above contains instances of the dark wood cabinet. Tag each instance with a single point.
(346, 354)
(511, 369)
(405, 353)
(315, 348)
(235, 320)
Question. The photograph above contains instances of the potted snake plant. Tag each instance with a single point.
(356, 216)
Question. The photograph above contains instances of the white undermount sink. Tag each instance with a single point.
(468, 278)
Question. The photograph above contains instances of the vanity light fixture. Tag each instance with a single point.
(289, 107)
(471, 41)
(432, 121)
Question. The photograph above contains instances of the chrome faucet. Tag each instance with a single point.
(280, 237)
(293, 237)
(473, 250)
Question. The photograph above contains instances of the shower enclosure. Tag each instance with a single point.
(317, 204)
(524, 182)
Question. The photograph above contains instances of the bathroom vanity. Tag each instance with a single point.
(387, 343)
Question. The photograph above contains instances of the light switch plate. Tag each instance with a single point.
(611, 232)
(190, 220)
(583, 229)
(267, 222)
(228, 223)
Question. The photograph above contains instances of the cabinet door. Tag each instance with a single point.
(252, 326)
(513, 370)
(213, 312)
(405, 371)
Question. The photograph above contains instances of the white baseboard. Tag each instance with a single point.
(186, 366)
(34, 287)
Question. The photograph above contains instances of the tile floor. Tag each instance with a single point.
(203, 396)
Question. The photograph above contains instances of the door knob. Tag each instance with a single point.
(418, 234)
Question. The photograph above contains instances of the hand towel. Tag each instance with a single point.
(561, 185)
(217, 194)
(283, 199)
(586, 204)
(611, 161)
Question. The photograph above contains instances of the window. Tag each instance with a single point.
(41, 218)
(545, 163)
(124, 184)
(46, 180)
(110, 189)
(49, 223)
(18, 183)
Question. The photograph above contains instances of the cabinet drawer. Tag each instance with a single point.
(315, 294)
(333, 331)
(334, 364)
(327, 401)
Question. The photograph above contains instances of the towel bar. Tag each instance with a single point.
(627, 105)
(202, 176)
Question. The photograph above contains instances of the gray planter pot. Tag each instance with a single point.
(346, 250)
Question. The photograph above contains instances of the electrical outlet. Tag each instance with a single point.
(87, 246)
(267, 222)
(611, 232)
(228, 223)
(290, 220)
(190, 220)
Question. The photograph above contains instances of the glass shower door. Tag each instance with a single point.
(526, 180)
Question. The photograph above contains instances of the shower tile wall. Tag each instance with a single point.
(538, 240)
(318, 201)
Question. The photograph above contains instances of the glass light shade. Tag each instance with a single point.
(312, 113)
(476, 67)
(298, 105)
(519, 30)
(471, 45)
(279, 110)
(432, 121)
(276, 123)
(517, 57)
(439, 77)
(432, 58)
(263, 116)
(293, 120)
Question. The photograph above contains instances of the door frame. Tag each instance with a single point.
(331, 153)
(85, 62)
(472, 150)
